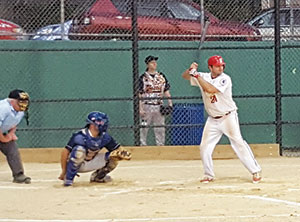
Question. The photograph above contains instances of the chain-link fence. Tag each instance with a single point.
(227, 20)
(68, 79)
(111, 19)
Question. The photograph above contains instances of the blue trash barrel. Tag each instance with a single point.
(189, 118)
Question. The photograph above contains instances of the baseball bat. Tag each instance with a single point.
(203, 35)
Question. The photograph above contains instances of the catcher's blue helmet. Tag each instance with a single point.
(99, 119)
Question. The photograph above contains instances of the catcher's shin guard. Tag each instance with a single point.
(75, 160)
(100, 174)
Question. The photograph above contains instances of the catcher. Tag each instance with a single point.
(81, 154)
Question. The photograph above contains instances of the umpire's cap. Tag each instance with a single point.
(150, 58)
(18, 94)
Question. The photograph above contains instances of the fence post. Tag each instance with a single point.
(278, 95)
(62, 18)
(135, 73)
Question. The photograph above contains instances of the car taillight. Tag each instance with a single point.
(17, 30)
(255, 36)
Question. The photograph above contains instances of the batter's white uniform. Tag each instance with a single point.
(222, 119)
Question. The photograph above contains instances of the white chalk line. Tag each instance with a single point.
(152, 219)
(25, 187)
(152, 167)
(290, 203)
(293, 189)
(160, 183)
(127, 191)
(173, 182)
(267, 199)
(44, 170)
(119, 167)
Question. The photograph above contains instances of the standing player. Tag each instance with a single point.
(82, 151)
(216, 89)
(11, 113)
(153, 86)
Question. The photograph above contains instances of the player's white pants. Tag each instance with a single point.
(153, 116)
(212, 133)
(96, 163)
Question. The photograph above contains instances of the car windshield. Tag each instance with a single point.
(296, 13)
(151, 8)
(124, 6)
(159, 8)
(284, 18)
(144, 7)
(181, 10)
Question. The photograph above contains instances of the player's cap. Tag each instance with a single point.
(216, 60)
(150, 58)
(18, 94)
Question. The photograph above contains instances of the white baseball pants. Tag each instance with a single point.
(153, 116)
(96, 163)
(212, 133)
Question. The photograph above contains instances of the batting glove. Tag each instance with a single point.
(193, 72)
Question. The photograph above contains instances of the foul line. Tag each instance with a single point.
(124, 191)
(22, 188)
(152, 219)
(274, 200)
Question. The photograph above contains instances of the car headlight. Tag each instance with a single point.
(45, 31)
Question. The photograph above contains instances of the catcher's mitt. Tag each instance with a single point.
(166, 110)
(120, 154)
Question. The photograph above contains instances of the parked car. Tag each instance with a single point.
(289, 24)
(157, 20)
(10, 31)
(53, 32)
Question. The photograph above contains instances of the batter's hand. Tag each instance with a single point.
(194, 65)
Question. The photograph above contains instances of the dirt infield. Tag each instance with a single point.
(158, 190)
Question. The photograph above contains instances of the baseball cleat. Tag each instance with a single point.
(256, 178)
(207, 180)
(21, 178)
(68, 183)
(105, 179)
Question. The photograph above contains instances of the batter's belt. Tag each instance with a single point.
(219, 117)
(153, 104)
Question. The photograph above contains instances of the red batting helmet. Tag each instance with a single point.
(216, 61)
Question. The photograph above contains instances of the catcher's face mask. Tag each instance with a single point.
(23, 104)
(98, 119)
(23, 101)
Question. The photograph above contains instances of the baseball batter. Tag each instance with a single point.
(216, 89)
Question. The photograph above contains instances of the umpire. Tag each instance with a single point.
(11, 113)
